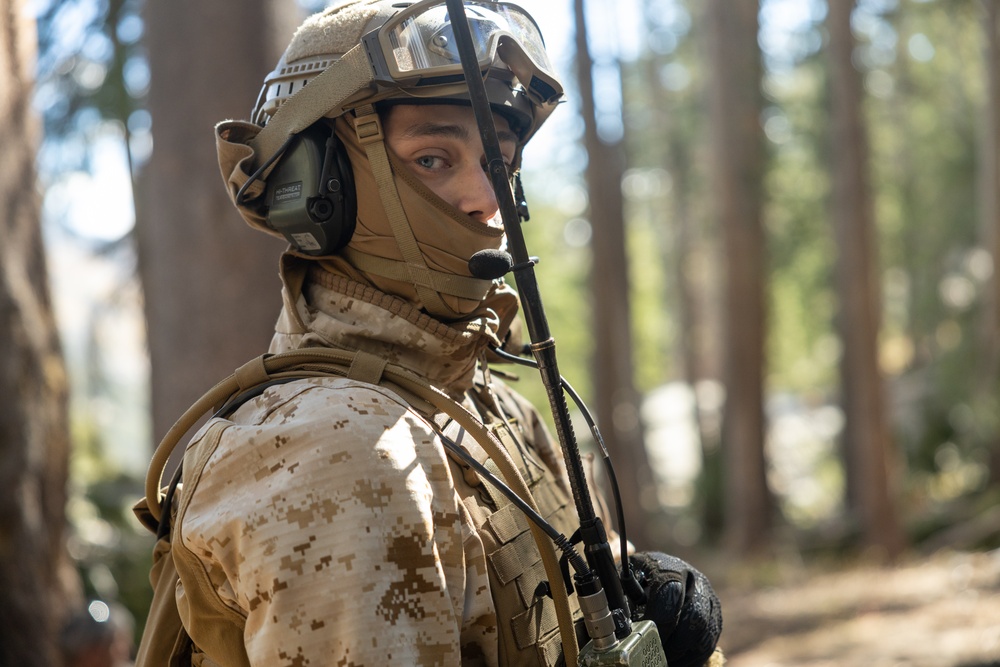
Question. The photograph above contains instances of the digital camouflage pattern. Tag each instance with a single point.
(327, 515)
(324, 522)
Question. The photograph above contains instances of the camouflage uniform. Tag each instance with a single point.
(324, 522)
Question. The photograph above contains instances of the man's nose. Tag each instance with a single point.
(479, 201)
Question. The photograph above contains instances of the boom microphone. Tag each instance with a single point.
(490, 264)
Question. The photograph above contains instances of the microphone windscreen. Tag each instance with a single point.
(490, 264)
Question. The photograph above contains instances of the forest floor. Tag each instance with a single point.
(941, 610)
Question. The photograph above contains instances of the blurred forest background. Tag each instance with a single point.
(769, 232)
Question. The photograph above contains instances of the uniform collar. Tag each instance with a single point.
(328, 309)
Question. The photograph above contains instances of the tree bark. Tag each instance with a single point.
(866, 433)
(616, 397)
(677, 236)
(987, 387)
(210, 283)
(738, 172)
(36, 578)
(683, 242)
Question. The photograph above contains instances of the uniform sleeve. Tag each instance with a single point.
(332, 522)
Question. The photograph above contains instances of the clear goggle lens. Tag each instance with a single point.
(420, 40)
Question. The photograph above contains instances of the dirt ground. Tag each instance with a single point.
(938, 611)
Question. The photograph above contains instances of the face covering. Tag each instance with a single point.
(445, 237)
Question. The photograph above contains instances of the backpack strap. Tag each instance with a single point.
(255, 375)
(366, 367)
(251, 374)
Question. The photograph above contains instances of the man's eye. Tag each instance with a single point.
(429, 161)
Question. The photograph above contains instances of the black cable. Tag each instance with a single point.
(597, 549)
(558, 538)
(230, 406)
(260, 170)
(595, 431)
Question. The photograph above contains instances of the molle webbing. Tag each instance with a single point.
(527, 619)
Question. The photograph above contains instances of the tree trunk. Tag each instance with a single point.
(36, 578)
(738, 172)
(210, 283)
(677, 241)
(682, 247)
(866, 433)
(987, 389)
(616, 397)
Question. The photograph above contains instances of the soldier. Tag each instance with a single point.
(326, 519)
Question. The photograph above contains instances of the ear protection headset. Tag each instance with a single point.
(310, 193)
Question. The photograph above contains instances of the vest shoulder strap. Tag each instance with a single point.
(257, 374)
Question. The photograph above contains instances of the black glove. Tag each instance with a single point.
(682, 604)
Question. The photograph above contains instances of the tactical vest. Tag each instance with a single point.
(526, 618)
(528, 628)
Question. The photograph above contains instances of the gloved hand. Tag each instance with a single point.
(682, 604)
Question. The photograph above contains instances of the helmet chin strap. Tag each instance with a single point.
(429, 283)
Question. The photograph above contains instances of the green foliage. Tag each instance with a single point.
(653, 300)
(925, 107)
(90, 58)
(802, 352)
(668, 205)
(557, 236)
(111, 551)
(923, 69)
(91, 74)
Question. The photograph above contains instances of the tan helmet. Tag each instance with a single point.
(411, 50)
(338, 66)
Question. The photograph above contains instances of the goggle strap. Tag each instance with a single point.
(369, 130)
(446, 283)
(338, 82)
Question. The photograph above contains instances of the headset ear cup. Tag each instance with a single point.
(311, 199)
(345, 198)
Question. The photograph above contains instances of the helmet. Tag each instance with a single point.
(317, 145)
(411, 49)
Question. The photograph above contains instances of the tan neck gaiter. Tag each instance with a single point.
(445, 236)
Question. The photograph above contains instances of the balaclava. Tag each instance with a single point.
(445, 236)
(407, 241)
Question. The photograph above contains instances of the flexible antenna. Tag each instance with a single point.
(596, 547)
(634, 592)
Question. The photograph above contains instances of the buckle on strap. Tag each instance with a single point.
(368, 126)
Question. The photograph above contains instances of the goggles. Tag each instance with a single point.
(410, 54)
(417, 47)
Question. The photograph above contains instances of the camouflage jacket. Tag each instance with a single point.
(324, 523)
